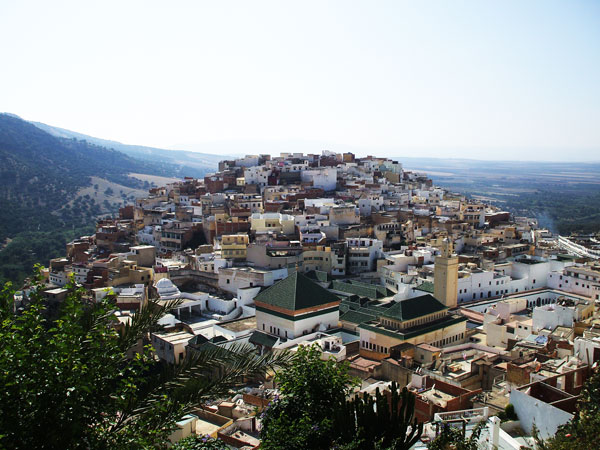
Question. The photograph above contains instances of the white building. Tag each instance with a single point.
(565, 312)
(296, 306)
(233, 278)
(363, 253)
(323, 177)
(257, 175)
(582, 280)
(368, 203)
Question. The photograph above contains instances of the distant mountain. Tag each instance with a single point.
(193, 163)
(40, 175)
(50, 185)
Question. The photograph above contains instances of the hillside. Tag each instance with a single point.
(564, 196)
(52, 188)
(195, 164)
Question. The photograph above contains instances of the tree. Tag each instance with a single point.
(452, 438)
(200, 443)
(68, 382)
(312, 390)
(314, 411)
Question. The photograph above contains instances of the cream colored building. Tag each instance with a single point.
(272, 222)
(234, 246)
(321, 258)
(415, 320)
(445, 276)
(171, 346)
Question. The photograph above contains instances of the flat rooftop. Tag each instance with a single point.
(248, 323)
(436, 397)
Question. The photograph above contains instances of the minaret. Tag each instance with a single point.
(445, 276)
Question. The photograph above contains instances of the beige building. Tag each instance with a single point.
(170, 346)
(272, 222)
(319, 258)
(143, 255)
(344, 215)
(234, 246)
(415, 320)
(445, 276)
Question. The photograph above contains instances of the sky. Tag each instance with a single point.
(478, 79)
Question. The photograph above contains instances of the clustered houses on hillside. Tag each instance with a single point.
(457, 300)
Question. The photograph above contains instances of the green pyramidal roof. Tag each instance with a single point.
(296, 292)
(415, 307)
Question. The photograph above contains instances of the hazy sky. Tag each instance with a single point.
(477, 79)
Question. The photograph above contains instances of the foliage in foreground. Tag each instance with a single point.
(313, 411)
(68, 382)
(200, 443)
(382, 422)
(580, 433)
(452, 438)
(312, 390)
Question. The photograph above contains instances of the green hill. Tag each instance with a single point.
(52, 189)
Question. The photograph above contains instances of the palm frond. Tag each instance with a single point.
(209, 373)
(145, 321)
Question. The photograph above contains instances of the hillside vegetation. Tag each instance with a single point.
(194, 164)
(50, 187)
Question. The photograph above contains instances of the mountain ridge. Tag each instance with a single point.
(198, 164)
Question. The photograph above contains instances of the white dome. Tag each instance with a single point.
(163, 282)
(166, 289)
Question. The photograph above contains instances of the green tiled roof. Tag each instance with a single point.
(363, 305)
(260, 338)
(426, 286)
(318, 275)
(296, 292)
(415, 307)
(415, 331)
(356, 317)
(385, 292)
(363, 289)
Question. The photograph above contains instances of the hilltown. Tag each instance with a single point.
(466, 305)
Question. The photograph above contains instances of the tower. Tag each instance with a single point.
(445, 276)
